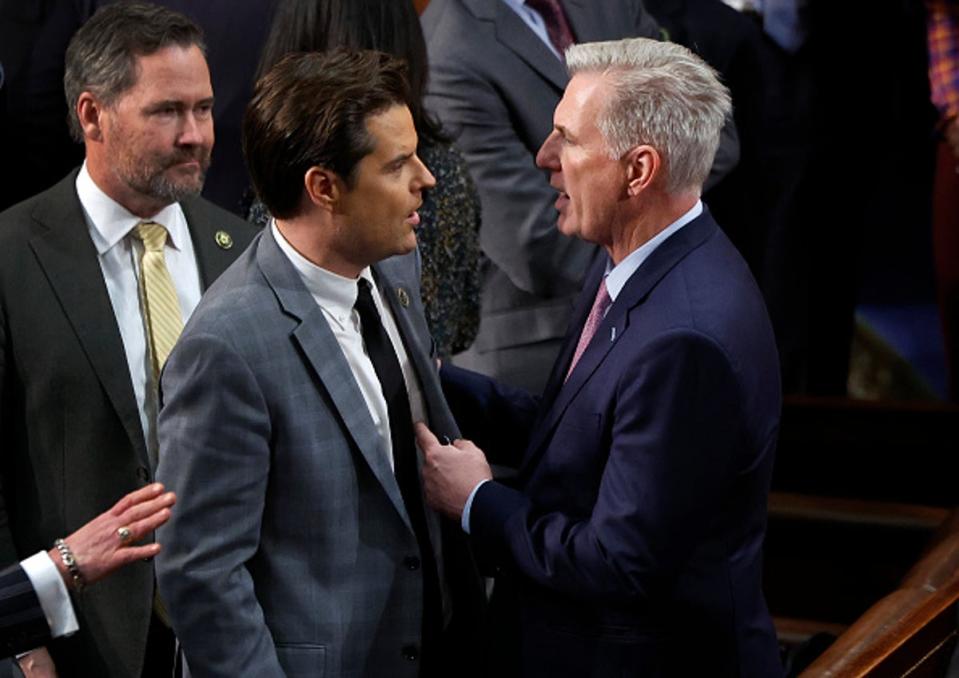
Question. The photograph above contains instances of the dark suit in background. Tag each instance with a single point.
(69, 421)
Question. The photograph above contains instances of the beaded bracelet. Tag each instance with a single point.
(66, 555)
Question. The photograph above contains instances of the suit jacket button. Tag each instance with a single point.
(143, 473)
(411, 653)
(411, 563)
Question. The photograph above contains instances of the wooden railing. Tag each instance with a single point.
(910, 632)
(859, 491)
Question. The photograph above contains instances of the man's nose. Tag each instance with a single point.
(427, 180)
(548, 155)
(193, 132)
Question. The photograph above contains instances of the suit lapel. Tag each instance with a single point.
(388, 280)
(592, 25)
(67, 256)
(514, 34)
(615, 326)
(213, 243)
(585, 20)
(325, 356)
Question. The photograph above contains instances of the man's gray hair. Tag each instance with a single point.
(661, 95)
(101, 57)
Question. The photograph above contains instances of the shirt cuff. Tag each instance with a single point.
(465, 519)
(52, 594)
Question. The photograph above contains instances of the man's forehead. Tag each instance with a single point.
(583, 94)
(171, 66)
(391, 129)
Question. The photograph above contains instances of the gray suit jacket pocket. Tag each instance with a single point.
(302, 659)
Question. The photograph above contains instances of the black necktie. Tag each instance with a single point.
(387, 367)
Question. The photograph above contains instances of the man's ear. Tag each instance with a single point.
(643, 165)
(324, 188)
(89, 111)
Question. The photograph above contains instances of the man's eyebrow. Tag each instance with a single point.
(177, 103)
(398, 159)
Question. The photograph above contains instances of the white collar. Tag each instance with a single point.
(617, 276)
(111, 222)
(337, 293)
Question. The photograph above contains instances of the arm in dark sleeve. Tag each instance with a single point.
(497, 417)
(672, 446)
(22, 623)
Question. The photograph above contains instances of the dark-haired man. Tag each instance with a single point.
(301, 545)
(97, 275)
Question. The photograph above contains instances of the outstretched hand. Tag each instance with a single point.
(109, 541)
(450, 472)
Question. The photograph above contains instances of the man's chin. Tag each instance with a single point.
(567, 227)
(406, 246)
(177, 189)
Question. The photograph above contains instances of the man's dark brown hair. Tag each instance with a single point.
(102, 55)
(310, 110)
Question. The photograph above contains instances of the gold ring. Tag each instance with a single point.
(124, 534)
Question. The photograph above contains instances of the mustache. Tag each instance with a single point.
(197, 153)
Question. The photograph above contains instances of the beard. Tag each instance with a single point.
(151, 177)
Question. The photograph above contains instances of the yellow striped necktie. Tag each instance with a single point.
(160, 302)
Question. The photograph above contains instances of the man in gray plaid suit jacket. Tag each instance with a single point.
(301, 545)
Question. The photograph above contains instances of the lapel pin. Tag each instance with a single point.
(403, 296)
(224, 240)
(612, 334)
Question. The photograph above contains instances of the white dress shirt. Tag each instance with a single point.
(119, 253)
(336, 296)
(616, 279)
(534, 20)
(52, 594)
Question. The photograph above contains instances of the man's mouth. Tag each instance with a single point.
(197, 160)
(413, 219)
(562, 200)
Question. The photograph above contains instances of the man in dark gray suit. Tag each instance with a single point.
(301, 544)
(78, 359)
(496, 76)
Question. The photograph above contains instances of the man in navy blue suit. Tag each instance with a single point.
(629, 543)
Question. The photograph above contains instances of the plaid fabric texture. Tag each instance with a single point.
(943, 38)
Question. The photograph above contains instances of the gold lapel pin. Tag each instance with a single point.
(224, 240)
(403, 296)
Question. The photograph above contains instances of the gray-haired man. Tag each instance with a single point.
(631, 538)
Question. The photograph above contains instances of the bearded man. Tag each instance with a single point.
(97, 276)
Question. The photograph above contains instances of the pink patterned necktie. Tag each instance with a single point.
(557, 25)
(596, 315)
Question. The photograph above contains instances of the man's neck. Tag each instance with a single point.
(136, 203)
(307, 236)
(649, 219)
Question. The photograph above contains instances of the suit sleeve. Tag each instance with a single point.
(671, 452)
(497, 417)
(518, 232)
(214, 432)
(22, 624)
